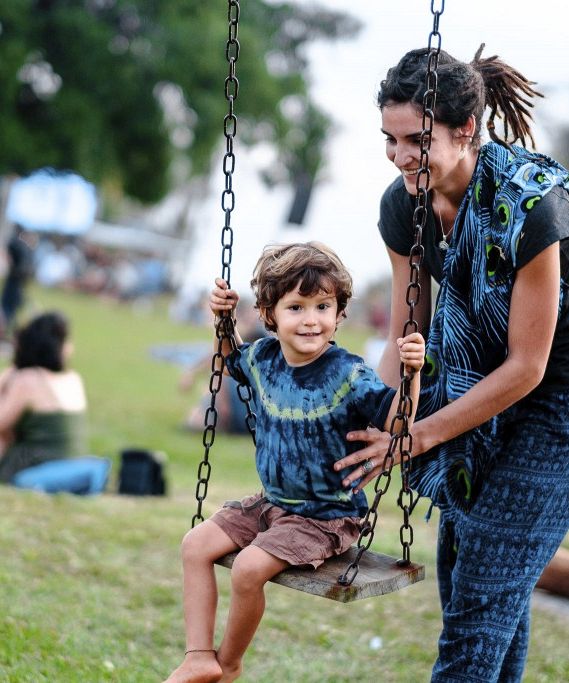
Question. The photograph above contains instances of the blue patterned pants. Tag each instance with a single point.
(490, 558)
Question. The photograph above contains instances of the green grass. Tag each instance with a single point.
(91, 587)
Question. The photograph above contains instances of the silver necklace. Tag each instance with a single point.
(443, 244)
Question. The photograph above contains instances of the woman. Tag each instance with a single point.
(495, 405)
(42, 414)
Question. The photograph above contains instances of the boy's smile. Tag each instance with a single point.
(305, 324)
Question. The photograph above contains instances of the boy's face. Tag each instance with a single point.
(305, 324)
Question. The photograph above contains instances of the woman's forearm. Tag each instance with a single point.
(489, 397)
(492, 395)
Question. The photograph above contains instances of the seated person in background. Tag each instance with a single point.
(43, 412)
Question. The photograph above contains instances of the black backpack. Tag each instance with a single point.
(142, 472)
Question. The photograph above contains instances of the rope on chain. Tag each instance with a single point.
(225, 324)
(401, 441)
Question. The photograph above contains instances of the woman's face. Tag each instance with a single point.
(402, 126)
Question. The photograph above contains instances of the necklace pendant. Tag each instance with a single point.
(443, 245)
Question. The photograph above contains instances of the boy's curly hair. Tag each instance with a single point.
(312, 266)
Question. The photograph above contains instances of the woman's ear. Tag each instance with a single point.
(468, 129)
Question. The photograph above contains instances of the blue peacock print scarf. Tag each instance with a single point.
(468, 337)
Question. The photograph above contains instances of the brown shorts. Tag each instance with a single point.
(297, 540)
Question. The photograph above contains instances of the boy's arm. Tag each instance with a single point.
(412, 355)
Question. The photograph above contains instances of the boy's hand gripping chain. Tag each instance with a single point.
(224, 328)
(401, 441)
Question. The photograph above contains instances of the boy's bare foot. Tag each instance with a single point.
(197, 667)
(231, 672)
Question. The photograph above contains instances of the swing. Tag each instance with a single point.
(358, 573)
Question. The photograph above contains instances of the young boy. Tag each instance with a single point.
(308, 393)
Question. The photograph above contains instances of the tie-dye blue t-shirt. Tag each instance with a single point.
(303, 416)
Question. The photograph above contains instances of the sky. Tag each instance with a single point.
(344, 77)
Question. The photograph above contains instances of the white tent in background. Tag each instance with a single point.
(52, 201)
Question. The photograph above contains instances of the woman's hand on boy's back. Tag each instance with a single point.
(222, 299)
(369, 461)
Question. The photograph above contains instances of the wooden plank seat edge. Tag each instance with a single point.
(378, 575)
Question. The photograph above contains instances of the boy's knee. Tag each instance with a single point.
(248, 572)
(192, 548)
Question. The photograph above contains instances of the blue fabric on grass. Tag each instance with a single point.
(86, 475)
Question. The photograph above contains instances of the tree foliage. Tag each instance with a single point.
(116, 89)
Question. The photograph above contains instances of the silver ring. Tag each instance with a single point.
(367, 466)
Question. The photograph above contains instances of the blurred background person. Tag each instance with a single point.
(43, 409)
(20, 255)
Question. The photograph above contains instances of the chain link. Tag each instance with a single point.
(224, 328)
(210, 422)
(401, 441)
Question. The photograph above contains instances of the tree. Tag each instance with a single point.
(116, 89)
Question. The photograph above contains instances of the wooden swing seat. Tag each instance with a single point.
(378, 575)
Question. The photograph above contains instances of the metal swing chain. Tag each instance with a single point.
(401, 441)
(224, 328)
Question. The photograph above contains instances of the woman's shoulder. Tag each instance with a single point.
(52, 391)
(22, 377)
(524, 168)
(69, 378)
(40, 375)
(396, 193)
(395, 217)
(18, 386)
(71, 375)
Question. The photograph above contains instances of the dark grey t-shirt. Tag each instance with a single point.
(396, 228)
(547, 223)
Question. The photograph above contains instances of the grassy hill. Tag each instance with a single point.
(91, 588)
